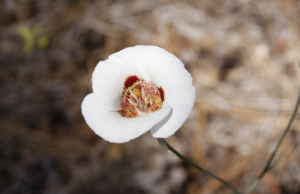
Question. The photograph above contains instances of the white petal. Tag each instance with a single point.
(114, 128)
(166, 70)
(109, 76)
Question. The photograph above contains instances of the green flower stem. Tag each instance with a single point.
(268, 165)
(171, 149)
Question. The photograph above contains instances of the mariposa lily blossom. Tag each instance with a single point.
(136, 90)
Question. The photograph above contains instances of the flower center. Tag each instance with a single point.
(140, 98)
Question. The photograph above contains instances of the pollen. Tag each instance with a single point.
(140, 98)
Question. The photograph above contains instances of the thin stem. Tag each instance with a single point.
(268, 165)
(171, 149)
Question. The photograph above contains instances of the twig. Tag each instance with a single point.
(268, 165)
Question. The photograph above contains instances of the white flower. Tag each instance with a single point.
(139, 89)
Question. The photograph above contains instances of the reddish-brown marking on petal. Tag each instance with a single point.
(130, 80)
(162, 93)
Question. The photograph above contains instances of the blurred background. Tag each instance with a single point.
(243, 56)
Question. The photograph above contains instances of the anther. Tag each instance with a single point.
(132, 94)
(143, 93)
(131, 102)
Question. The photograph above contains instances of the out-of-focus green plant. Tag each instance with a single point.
(32, 37)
